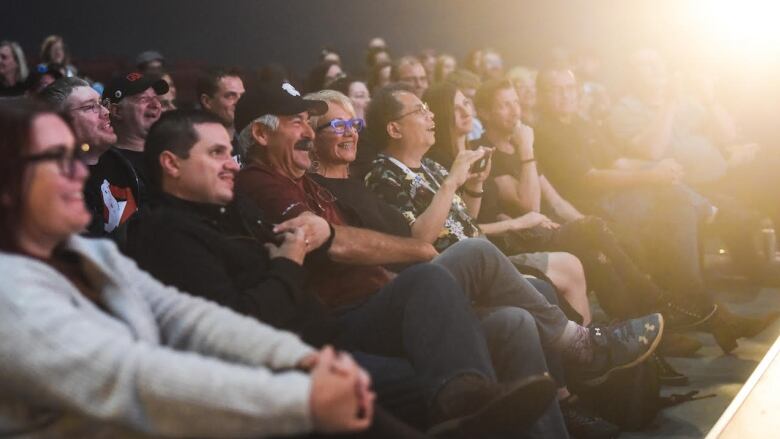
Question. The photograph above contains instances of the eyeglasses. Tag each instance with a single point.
(340, 126)
(67, 159)
(94, 107)
(421, 109)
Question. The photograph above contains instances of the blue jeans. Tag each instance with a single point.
(422, 316)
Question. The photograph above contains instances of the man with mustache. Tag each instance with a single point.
(119, 177)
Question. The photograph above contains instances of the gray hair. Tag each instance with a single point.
(58, 91)
(245, 140)
(330, 97)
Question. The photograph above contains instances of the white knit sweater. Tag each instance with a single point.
(160, 364)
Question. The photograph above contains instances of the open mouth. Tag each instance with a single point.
(346, 145)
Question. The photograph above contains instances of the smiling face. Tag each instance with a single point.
(53, 203)
(89, 126)
(287, 147)
(415, 127)
(136, 114)
(223, 103)
(336, 149)
(208, 174)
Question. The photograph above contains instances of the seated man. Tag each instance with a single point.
(278, 138)
(119, 177)
(196, 238)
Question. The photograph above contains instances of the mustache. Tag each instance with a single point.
(304, 145)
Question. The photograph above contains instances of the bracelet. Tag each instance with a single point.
(525, 162)
(473, 194)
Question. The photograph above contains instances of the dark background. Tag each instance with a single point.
(251, 33)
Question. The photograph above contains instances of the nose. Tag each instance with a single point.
(308, 131)
(231, 165)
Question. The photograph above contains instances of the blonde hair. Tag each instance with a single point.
(331, 97)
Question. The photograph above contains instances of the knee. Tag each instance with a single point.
(477, 247)
(508, 324)
(431, 283)
(568, 267)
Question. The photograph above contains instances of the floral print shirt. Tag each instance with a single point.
(411, 191)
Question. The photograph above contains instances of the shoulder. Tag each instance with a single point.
(382, 169)
(435, 167)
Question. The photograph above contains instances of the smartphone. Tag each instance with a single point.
(482, 163)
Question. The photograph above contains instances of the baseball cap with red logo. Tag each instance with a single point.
(133, 83)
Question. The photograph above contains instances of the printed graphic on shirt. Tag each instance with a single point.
(118, 205)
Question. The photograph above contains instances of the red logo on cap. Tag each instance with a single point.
(134, 76)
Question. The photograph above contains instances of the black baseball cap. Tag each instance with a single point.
(131, 84)
(279, 99)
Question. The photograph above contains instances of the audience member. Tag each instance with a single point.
(168, 100)
(427, 58)
(13, 69)
(524, 81)
(410, 71)
(41, 77)
(357, 92)
(379, 75)
(218, 92)
(323, 74)
(54, 51)
(120, 176)
(150, 62)
(445, 64)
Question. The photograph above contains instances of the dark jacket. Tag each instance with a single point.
(217, 253)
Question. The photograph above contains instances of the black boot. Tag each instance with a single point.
(468, 405)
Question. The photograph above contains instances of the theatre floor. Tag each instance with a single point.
(712, 372)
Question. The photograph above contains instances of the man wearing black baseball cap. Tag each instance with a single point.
(119, 178)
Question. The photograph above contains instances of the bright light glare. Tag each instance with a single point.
(749, 26)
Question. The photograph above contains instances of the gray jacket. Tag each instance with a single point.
(160, 363)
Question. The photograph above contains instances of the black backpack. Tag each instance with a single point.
(631, 398)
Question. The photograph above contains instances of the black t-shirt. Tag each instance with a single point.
(116, 189)
(501, 164)
(566, 152)
(363, 208)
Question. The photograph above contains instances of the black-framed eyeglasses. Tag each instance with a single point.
(340, 126)
(94, 107)
(420, 109)
(67, 159)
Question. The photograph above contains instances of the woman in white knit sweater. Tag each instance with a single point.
(94, 347)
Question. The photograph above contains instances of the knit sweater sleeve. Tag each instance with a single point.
(60, 356)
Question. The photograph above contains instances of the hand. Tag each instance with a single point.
(337, 404)
(533, 219)
(524, 136)
(316, 229)
(460, 171)
(293, 247)
(739, 155)
(474, 183)
(667, 171)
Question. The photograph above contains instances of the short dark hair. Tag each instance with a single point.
(208, 80)
(174, 132)
(56, 93)
(16, 119)
(486, 93)
(383, 109)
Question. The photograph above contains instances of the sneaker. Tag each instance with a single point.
(470, 406)
(583, 424)
(621, 346)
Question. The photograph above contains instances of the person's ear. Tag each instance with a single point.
(170, 165)
(205, 101)
(261, 133)
(394, 130)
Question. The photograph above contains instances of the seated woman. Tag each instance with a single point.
(94, 347)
